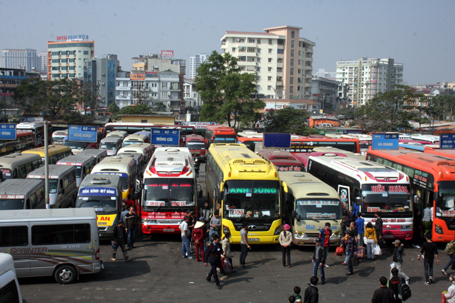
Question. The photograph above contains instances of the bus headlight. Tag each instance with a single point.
(277, 231)
(438, 229)
(405, 227)
(299, 235)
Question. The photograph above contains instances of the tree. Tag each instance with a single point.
(288, 120)
(159, 106)
(113, 108)
(140, 109)
(226, 92)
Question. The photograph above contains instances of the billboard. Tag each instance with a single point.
(137, 77)
(151, 74)
(385, 141)
(447, 141)
(7, 131)
(83, 133)
(72, 37)
(167, 54)
(282, 140)
(162, 136)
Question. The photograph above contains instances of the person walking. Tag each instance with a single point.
(215, 225)
(397, 258)
(350, 246)
(372, 240)
(352, 230)
(383, 294)
(449, 250)
(426, 219)
(325, 235)
(244, 246)
(123, 214)
(226, 245)
(119, 241)
(450, 294)
(394, 285)
(191, 223)
(360, 225)
(429, 250)
(378, 227)
(312, 292)
(285, 242)
(213, 256)
(131, 226)
(296, 294)
(185, 234)
(198, 235)
(319, 257)
(343, 226)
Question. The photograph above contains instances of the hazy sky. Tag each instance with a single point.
(417, 33)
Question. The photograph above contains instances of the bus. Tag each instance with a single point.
(247, 189)
(196, 144)
(124, 167)
(219, 134)
(250, 142)
(140, 163)
(22, 194)
(129, 127)
(431, 149)
(59, 136)
(283, 160)
(365, 141)
(9, 286)
(135, 138)
(427, 138)
(373, 186)
(309, 204)
(24, 140)
(36, 128)
(169, 190)
(111, 144)
(83, 164)
(55, 152)
(145, 149)
(59, 243)
(117, 133)
(98, 154)
(432, 182)
(103, 193)
(17, 165)
(318, 151)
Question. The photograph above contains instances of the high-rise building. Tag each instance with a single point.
(367, 77)
(195, 62)
(43, 62)
(322, 73)
(281, 60)
(20, 59)
(67, 55)
(101, 73)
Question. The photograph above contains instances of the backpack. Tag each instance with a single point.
(404, 291)
(450, 248)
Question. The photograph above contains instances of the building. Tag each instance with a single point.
(280, 59)
(195, 62)
(322, 73)
(191, 96)
(67, 55)
(20, 59)
(311, 106)
(102, 73)
(326, 91)
(367, 77)
(43, 62)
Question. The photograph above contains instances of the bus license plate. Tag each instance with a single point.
(253, 239)
(168, 230)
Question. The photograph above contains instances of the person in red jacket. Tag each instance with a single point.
(198, 235)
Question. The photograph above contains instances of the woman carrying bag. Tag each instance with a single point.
(372, 240)
(285, 242)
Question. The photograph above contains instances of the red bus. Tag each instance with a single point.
(432, 182)
(219, 134)
(196, 144)
(304, 157)
(24, 140)
(449, 153)
(283, 160)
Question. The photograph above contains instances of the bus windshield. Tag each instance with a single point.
(6, 204)
(386, 198)
(59, 139)
(247, 199)
(53, 186)
(317, 209)
(445, 204)
(225, 139)
(129, 142)
(168, 192)
(195, 145)
(108, 145)
(101, 204)
(78, 171)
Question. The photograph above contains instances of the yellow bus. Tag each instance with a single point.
(247, 188)
(55, 152)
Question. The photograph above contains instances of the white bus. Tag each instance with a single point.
(427, 138)
(59, 136)
(83, 164)
(22, 194)
(135, 138)
(365, 141)
(36, 128)
(17, 166)
(377, 188)
(117, 133)
(145, 149)
(10, 291)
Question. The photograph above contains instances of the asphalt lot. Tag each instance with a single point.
(158, 273)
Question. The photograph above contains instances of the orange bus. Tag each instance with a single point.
(449, 153)
(432, 182)
(219, 134)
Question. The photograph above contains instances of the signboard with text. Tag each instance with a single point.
(280, 140)
(162, 136)
(7, 131)
(72, 37)
(137, 77)
(385, 141)
(81, 133)
(447, 141)
(167, 54)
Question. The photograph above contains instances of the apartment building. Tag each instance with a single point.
(20, 59)
(326, 91)
(195, 62)
(367, 77)
(280, 59)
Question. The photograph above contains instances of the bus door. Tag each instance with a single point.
(345, 196)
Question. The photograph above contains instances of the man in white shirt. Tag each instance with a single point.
(185, 233)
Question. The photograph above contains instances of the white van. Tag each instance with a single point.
(22, 194)
(9, 286)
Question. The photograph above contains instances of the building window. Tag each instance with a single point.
(258, 69)
(163, 94)
(292, 53)
(270, 41)
(54, 60)
(250, 40)
(242, 48)
(270, 60)
(292, 34)
(85, 52)
(233, 40)
(269, 78)
(269, 87)
(292, 43)
(270, 69)
(270, 50)
(292, 71)
(164, 85)
(291, 89)
(258, 78)
(259, 41)
(292, 62)
(292, 80)
(71, 68)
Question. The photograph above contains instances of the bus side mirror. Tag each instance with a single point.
(220, 195)
(358, 201)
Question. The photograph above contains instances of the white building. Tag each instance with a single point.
(325, 90)
(367, 77)
(191, 96)
(195, 62)
(43, 62)
(20, 59)
(280, 59)
(322, 73)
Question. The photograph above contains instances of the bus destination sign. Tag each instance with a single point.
(385, 141)
(447, 141)
(7, 131)
(83, 133)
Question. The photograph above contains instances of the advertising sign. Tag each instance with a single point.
(200, 125)
(447, 141)
(8, 131)
(162, 136)
(151, 74)
(282, 140)
(137, 77)
(83, 133)
(72, 37)
(385, 141)
(167, 54)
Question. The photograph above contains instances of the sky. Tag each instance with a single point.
(417, 33)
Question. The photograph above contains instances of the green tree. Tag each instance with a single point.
(226, 92)
(139, 109)
(288, 120)
(113, 108)
(159, 106)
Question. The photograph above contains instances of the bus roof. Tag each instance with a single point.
(63, 132)
(114, 164)
(45, 215)
(171, 162)
(29, 125)
(17, 159)
(107, 181)
(317, 152)
(93, 152)
(117, 133)
(18, 187)
(136, 137)
(305, 185)
(52, 150)
(250, 134)
(279, 157)
(75, 160)
(194, 137)
(55, 171)
(432, 149)
(221, 129)
(114, 139)
(136, 147)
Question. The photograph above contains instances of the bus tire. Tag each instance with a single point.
(65, 274)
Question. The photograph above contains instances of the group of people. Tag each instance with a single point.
(125, 232)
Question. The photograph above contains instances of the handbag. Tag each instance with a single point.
(377, 250)
(339, 251)
(444, 300)
(355, 261)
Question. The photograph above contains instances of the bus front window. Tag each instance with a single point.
(252, 200)
(109, 145)
(101, 204)
(53, 186)
(168, 192)
(318, 209)
(6, 173)
(195, 145)
(6, 204)
(386, 198)
(445, 203)
(225, 139)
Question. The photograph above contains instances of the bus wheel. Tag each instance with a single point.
(65, 274)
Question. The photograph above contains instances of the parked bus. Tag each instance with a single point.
(111, 144)
(124, 167)
(24, 140)
(196, 145)
(144, 148)
(103, 193)
(169, 190)
(22, 194)
(59, 136)
(10, 291)
(432, 182)
(250, 142)
(117, 133)
(62, 243)
(77, 147)
(309, 204)
(36, 128)
(377, 188)
(365, 141)
(17, 166)
(62, 184)
(432, 149)
(283, 160)
(132, 139)
(140, 163)
(318, 151)
(247, 188)
(427, 138)
(55, 153)
(305, 144)
(98, 154)
(83, 164)
(219, 134)
(144, 133)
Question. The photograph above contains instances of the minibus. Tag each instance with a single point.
(135, 138)
(83, 164)
(22, 194)
(17, 165)
(9, 286)
(145, 149)
(98, 154)
(111, 144)
(55, 152)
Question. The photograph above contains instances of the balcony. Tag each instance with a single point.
(122, 88)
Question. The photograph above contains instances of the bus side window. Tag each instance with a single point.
(65, 181)
(40, 196)
(36, 164)
(22, 172)
(27, 205)
(15, 173)
(33, 200)
(28, 167)
(54, 159)
(72, 177)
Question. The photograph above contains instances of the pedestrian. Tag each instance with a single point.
(352, 230)
(312, 292)
(131, 226)
(226, 245)
(129, 202)
(343, 226)
(215, 225)
(213, 254)
(450, 250)
(429, 250)
(450, 294)
(206, 212)
(383, 294)
(350, 246)
(244, 246)
(296, 294)
(426, 219)
(292, 299)
(378, 226)
(397, 258)
(325, 235)
(185, 234)
(360, 225)
(319, 257)
(372, 240)
(197, 166)
(285, 242)
(198, 235)
(191, 222)
(123, 214)
(119, 241)
(394, 285)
